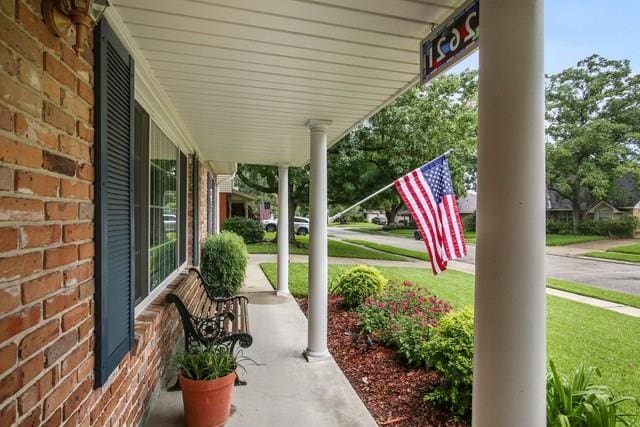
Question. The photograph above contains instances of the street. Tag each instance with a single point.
(603, 274)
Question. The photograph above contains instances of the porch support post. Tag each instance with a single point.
(318, 257)
(509, 369)
(216, 206)
(283, 229)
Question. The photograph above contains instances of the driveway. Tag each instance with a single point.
(603, 274)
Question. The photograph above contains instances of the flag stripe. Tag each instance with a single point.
(431, 211)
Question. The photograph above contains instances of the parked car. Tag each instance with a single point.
(416, 235)
(169, 222)
(300, 225)
(380, 220)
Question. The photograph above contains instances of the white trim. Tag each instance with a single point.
(150, 93)
(599, 204)
(142, 305)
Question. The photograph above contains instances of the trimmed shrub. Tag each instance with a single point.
(357, 284)
(623, 227)
(223, 262)
(449, 351)
(469, 222)
(558, 227)
(398, 226)
(249, 229)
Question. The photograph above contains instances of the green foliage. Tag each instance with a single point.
(357, 284)
(622, 227)
(450, 353)
(558, 227)
(249, 229)
(203, 363)
(402, 318)
(469, 222)
(397, 226)
(577, 402)
(223, 261)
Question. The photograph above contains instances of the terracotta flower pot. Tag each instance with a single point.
(207, 403)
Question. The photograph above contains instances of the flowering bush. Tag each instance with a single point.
(402, 318)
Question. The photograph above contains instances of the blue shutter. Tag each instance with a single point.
(196, 210)
(114, 158)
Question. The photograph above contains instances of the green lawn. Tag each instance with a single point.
(570, 239)
(575, 332)
(359, 226)
(391, 249)
(615, 256)
(336, 248)
(592, 291)
(627, 249)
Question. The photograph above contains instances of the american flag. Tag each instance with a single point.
(265, 210)
(428, 194)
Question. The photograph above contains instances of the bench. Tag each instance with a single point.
(208, 319)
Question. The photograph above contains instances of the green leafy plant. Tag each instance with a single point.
(469, 222)
(450, 352)
(249, 229)
(203, 363)
(357, 284)
(577, 402)
(224, 262)
(622, 227)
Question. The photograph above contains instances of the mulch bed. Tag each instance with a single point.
(391, 392)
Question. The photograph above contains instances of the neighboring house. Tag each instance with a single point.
(627, 203)
(466, 206)
(231, 201)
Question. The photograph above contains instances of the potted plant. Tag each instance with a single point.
(206, 377)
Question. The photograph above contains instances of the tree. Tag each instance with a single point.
(418, 126)
(592, 132)
(265, 180)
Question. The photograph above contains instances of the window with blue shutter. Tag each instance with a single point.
(115, 231)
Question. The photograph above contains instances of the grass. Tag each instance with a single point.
(391, 249)
(626, 249)
(576, 333)
(614, 256)
(359, 226)
(593, 292)
(570, 239)
(336, 248)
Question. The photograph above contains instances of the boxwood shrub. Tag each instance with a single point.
(249, 229)
(223, 261)
(357, 284)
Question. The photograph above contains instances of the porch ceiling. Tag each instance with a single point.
(245, 75)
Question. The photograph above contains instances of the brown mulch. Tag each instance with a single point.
(391, 392)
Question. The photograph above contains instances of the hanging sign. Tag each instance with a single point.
(450, 42)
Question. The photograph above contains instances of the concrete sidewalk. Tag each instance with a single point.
(284, 389)
(586, 247)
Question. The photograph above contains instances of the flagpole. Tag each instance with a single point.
(386, 187)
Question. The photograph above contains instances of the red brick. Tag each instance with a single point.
(30, 75)
(34, 236)
(33, 419)
(86, 367)
(36, 392)
(22, 154)
(86, 171)
(74, 189)
(59, 118)
(59, 71)
(75, 316)
(8, 61)
(19, 96)
(86, 211)
(18, 40)
(8, 414)
(86, 250)
(39, 338)
(86, 92)
(74, 359)
(85, 132)
(85, 327)
(40, 287)
(76, 105)
(60, 347)
(60, 302)
(78, 274)
(58, 164)
(32, 368)
(18, 322)
(8, 239)
(60, 256)
(6, 179)
(86, 289)
(61, 211)
(55, 420)
(19, 266)
(75, 232)
(10, 384)
(33, 130)
(74, 400)
(8, 357)
(75, 147)
(36, 26)
(51, 89)
(9, 299)
(6, 119)
(37, 184)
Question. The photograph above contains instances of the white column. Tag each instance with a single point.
(509, 370)
(318, 257)
(283, 229)
(216, 206)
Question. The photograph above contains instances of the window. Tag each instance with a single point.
(160, 206)
(604, 214)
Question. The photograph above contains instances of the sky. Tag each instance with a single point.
(575, 29)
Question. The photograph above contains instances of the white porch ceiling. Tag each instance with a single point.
(245, 75)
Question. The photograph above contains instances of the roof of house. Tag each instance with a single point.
(628, 195)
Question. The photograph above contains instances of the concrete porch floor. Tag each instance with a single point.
(284, 389)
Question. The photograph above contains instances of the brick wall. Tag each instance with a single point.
(202, 209)
(46, 242)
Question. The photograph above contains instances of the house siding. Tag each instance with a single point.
(47, 247)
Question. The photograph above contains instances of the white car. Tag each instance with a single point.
(300, 225)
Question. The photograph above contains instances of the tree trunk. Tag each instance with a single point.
(292, 211)
(392, 212)
(576, 218)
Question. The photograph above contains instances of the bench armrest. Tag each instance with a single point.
(207, 287)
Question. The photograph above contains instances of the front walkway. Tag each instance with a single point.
(284, 389)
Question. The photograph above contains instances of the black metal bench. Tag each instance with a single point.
(208, 319)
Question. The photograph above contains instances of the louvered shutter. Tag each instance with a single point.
(114, 156)
(196, 210)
